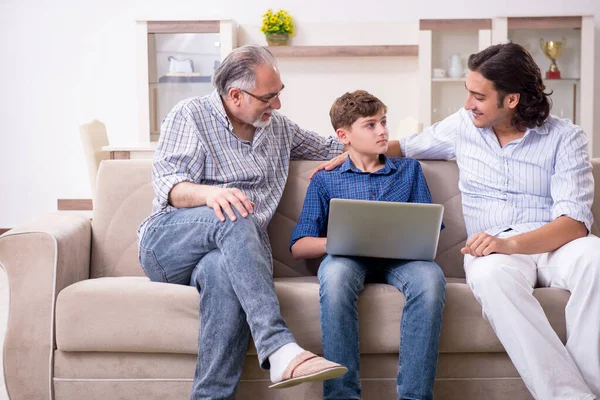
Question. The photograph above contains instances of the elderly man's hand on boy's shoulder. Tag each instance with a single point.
(331, 164)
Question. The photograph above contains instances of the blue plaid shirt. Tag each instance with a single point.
(400, 180)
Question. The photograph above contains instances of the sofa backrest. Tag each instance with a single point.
(124, 198)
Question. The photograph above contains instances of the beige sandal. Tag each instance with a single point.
(306, 367)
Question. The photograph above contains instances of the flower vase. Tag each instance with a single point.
(278, 39)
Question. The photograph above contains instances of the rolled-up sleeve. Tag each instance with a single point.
(436, 142)
(179, 155)
(308, 145)
(313, 218)
(572, 184)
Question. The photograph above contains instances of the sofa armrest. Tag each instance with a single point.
(40, 259)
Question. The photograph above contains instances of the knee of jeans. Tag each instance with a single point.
(435, 283)
(151, 267)
(339, 280)
(429, 286)
(248, 224)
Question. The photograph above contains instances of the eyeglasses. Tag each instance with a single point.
(265, 99)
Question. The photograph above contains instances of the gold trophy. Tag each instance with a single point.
(552, 50)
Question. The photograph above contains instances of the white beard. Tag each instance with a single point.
(259, 123)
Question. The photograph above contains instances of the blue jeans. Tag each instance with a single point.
(231, 268)
(424, 286)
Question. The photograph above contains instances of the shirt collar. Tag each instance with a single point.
(348, 165)
(217, 109)
(541, 130)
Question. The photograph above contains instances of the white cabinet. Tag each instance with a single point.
(573, 93)
(444, 47)
(440, 40)
(176, 60)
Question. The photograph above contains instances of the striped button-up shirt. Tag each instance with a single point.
(400, 180)
(197, 144)
(522, 186)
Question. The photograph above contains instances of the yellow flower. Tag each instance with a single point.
(278, 22)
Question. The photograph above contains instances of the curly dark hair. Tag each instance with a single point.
(349, 107)
(512, 70)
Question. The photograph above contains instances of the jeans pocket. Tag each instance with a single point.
(151, 266)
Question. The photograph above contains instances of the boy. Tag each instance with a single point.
(359, 119)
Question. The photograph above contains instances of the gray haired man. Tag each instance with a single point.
(218, 174)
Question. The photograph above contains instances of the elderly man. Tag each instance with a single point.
(219, 172)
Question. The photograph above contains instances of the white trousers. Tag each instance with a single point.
(503, 285)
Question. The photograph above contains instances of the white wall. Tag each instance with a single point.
(67, 61)
(312, 84)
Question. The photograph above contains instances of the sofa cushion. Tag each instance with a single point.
(132, 314)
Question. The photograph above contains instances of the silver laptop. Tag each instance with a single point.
(407, 231)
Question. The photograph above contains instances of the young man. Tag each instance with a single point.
(359, 119)
(527, 190)
(219, 171)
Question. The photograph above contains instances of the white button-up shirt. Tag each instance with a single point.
(522, 186)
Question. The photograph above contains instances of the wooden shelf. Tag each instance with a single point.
(571, 80)
(448, 79)
(345, 51)
(74, 204)
(454, 24)
(183, 26)
(543, 22)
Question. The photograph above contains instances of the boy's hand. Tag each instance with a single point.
(482, 244)
(221, 199)
(331, 164)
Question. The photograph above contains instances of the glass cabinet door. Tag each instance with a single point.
(178, 61)
(181, 66)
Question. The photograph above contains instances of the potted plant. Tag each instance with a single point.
(277, 27)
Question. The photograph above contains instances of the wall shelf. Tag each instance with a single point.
(345, 51)
(454, 24)
(544, 22)
(572, 80)
(463, 79)
(448, 79)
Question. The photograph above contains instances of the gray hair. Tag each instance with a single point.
(239, 68)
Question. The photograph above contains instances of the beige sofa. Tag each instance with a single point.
(85, 323)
